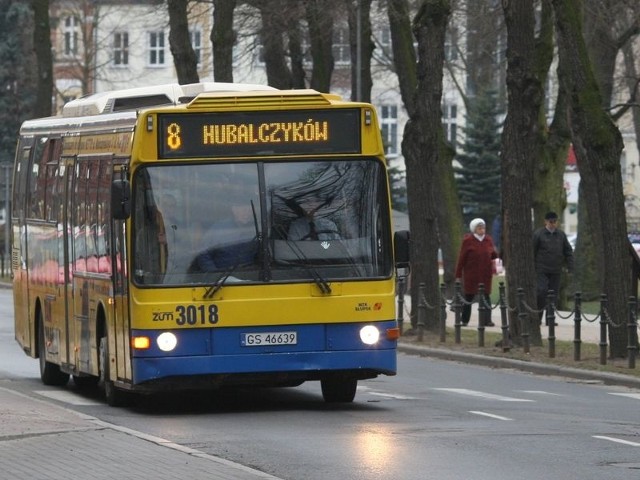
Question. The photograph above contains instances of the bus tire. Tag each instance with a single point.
(50, 373)
(114, 396)
(339, 390)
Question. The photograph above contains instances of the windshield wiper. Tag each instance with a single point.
(213, 289)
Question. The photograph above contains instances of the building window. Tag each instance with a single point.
(450, 122)
(71, 34)
(385, 42)
(156, 48)
(196, 43)
(341, 47)
(451, 44)
(121, 48)
(389, 126)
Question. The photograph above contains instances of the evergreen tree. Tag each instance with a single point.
(478, 173)
(16, 78)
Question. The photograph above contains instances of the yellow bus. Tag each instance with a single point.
(204, 235)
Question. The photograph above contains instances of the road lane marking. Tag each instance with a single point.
(617, 440)
(490, 415)
(67, 397)
(488, 396)
(383, 394)
(540, 392)
(392, 395)
(630, 395)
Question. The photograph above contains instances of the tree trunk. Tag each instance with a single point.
(588, 267)
(598, 144)
(361, 81)
(272, 33)
(449, 214)
(298, 74)
(521, 142)
(319, 17)
(549, 192)
(434, 207)
(404, 55)
(483, 34)
(633, 83)
(184, 58)
(421, 148)
(222, 38)
(42, 46)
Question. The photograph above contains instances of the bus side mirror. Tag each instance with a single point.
(401, 248)
(120, 199)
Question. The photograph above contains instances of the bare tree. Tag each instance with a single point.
(598, 145)
(443, 201)
(520, 146)
(223, 37)
(184, 57)
(609, 27)
(421, 90)
(272, 35)
(295, 36)
(320, 20)
(360, 38)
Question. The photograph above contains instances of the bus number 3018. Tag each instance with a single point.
(197, 314)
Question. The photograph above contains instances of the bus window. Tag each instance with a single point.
(21, 174)
(324, 214)
(171, 210)
(260, 238)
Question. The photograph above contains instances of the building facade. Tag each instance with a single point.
(106, 45)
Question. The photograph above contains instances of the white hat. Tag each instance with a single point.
(474, 224)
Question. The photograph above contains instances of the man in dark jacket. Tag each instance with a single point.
(551, 251)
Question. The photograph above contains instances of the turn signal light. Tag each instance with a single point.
(393, 333)
(141, 343)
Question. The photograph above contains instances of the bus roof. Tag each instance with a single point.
(118, 110)
(134, 98)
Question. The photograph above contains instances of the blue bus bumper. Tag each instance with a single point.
(221, 355)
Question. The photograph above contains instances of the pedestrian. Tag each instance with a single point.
(551, 252)
(475, 266)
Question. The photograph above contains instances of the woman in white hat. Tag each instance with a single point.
(475, 266)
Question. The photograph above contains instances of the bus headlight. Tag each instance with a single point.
(167, 341)
(369, 335)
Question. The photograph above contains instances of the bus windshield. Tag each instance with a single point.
(262, 222)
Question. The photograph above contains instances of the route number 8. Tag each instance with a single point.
(173, 136)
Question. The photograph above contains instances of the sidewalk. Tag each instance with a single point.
(42, 441)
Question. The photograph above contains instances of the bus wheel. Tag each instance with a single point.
(114, 396)
(336, 390)
(50, 373)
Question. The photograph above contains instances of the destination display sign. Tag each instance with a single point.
(298, 132)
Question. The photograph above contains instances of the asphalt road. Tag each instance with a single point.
(435, 419)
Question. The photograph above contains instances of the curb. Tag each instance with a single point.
(532, 367)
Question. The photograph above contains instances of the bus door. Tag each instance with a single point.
(65, 237)
(22, 314)
(122, 325)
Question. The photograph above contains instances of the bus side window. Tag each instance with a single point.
(20, 182)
